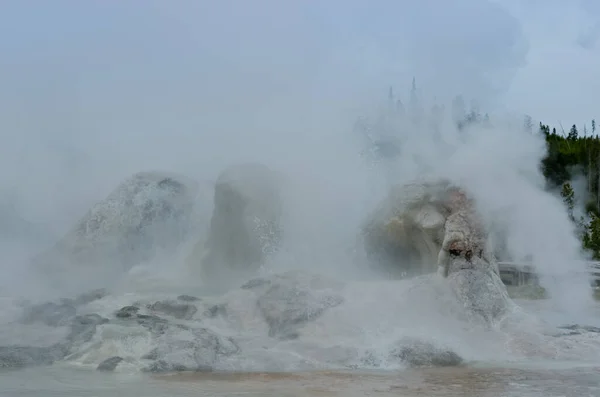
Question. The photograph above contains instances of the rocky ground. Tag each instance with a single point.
(261, 325)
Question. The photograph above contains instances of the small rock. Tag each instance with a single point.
(424, 354)
(83, 328)
(289, 335)
(290, 303)
(216, 310)
(371, 360)
(201, 353)
(127, 312)
(188, 298)
(175, 309)
(153, 323)
(579, 328)
(151, 355)
(161, 366)
(109, 364)
(255, 283)
(213, 345)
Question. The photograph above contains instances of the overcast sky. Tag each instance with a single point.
(100, 89)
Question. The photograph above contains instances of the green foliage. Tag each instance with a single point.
(570, 155)
(573, 155)
(568, 195)
(591, 236)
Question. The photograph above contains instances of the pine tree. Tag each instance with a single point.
(591, 236)
(568, 195)
(458, 111)
(528, 124)
(573, 135)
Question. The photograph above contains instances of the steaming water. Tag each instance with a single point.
(523, 356)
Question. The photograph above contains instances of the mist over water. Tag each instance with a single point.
(93, 93)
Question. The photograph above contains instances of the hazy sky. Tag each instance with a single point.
(96, 90)
(82, 50)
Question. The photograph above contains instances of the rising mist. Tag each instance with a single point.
(95, 92)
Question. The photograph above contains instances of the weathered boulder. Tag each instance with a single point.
(245, 226)
(196, 350)
(173, 308)
(290, 300)
(420, 353)
(429, 225)
(61, 313)
(81, 329)
(110, 364)
(404, 234)
(147, 213)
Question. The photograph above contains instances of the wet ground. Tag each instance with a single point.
(447, 382)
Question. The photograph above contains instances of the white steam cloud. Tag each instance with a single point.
(95, 91)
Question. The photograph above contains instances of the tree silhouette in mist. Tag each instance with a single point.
(569, 155)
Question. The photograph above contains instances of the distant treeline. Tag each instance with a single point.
(570, 154)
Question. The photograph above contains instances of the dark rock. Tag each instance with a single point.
(83, 328)
(127, 312)
(109, 364)
(175, 309)
(51, 314)
(201, 353)
(154, 324)
(371, 360)
(161, 366)
(216, 310)
(91, 319)
(209, 340)
(187, 298)
(256, 283)
(416, 353)
(289, 335)
(151, 355)
(579, 329)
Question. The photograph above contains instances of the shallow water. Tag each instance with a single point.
(474, 381)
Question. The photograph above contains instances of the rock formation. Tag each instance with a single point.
(179, 330)
(424, 227)
(405, 233)
(245, 225)
(148, 212)
(291, 321)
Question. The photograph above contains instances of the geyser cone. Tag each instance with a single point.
(429, 225)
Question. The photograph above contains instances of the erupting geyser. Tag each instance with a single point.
(428, 225)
